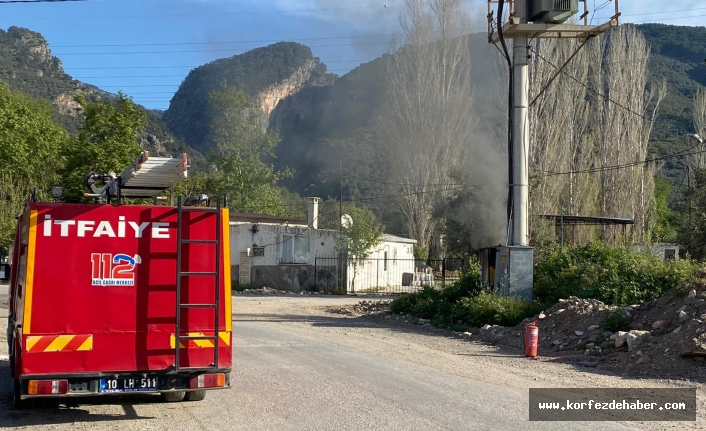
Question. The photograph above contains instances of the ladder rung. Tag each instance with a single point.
(211, 368)
(197, 305)
(196, 274)
(199, 241)
(199, 210)
(201, 337)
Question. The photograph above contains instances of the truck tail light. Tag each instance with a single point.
(48, 387)
(208, 381)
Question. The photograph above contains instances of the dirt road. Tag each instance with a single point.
(297, 367)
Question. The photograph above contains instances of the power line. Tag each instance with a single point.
(591, 89)
(207, 50)
(190, 14)
(627, 165)
(165, 76)
(220, 43)
(39, 1)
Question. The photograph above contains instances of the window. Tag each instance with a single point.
(295, 249)
(385, 260)
(394, 256)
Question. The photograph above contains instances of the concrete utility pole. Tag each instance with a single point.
(536, 19)
(520, 132)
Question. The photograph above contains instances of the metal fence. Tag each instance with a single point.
(337, 274)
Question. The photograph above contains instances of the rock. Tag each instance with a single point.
(661, 324)
(692, 293)
(542, 315)
(666, 350)
(556, 342)
(613, 337)
(593, 327)
(682, 308)
(486, 326)
(388, 317)
(467, 335)
(621, 339)
(638, 353)
(676, 330)
(590, 345)
(423, 321)
(579, 333)
(643, 360)
(683, 316)
(636, 338)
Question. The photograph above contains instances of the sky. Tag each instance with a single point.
(147, 47)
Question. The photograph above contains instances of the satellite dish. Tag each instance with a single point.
(346, 221)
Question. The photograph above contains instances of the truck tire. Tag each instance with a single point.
(18, 402)
(173, 397)
(196, 396)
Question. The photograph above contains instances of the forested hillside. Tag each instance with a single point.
(678, 55)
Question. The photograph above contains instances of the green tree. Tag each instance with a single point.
(360, 237)
(106, 142)
(29, 155)
(241, 144)
(692, 217)
(663, 230)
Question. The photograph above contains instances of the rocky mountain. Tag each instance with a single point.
(269, 74)
(27, 65)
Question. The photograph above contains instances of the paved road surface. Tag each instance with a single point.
(297, 367)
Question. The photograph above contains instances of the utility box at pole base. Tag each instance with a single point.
(551, 11)
(514, 272)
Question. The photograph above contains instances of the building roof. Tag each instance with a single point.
(587, 220)
(264, 218)
(394, 238)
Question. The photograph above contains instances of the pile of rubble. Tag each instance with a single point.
(263, 291)
(665, 337)
(363, 308)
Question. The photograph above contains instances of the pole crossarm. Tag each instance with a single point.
(553, 31)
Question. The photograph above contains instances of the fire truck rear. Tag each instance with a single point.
(111, 298)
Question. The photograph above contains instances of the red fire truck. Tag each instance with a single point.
(110, 298)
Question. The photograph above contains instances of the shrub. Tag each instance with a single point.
(614, 276)
(488, 308)
(615, 321)
(466, 303)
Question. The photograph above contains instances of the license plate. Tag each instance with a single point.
(130, 384)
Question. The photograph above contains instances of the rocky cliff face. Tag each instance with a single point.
(271, 96)
(269, 75)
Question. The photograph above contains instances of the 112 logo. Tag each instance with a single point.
(113, 270)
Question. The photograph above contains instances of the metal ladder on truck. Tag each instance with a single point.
(216, 274)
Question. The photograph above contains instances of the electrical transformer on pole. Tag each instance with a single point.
(525, 19)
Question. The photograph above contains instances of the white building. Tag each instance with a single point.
(390, 265)
(278, 252)
(286, 254)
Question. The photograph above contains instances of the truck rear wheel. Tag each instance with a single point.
(18, 402)
(196, 396)
(173, 397)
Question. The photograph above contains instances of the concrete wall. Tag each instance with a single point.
(269, 270)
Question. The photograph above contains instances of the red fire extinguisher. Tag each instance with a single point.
(531, 339)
